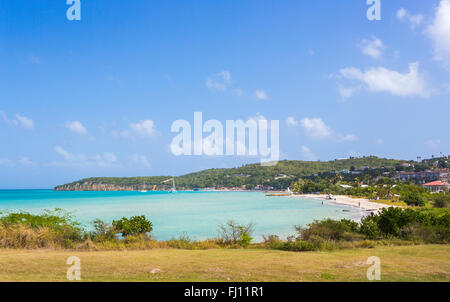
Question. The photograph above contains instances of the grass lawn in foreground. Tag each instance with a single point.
(399, 263)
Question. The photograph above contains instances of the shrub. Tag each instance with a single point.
(370, 229)
(441, 200)
(327, 229)
(390, 220)
(44, 230)
(233, 233)
(134, 226)
(299, 246)
(412, 198)
(272, 241)
(102, 231)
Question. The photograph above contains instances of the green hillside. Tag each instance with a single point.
(279, 176)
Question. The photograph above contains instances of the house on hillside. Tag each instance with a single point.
(437, 186)
(424, 176)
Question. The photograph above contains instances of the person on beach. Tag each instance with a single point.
(359, 204)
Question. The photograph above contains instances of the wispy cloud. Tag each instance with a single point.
(24, 122)
(261, 95)
(106, 159)
(414, 20)
(316, 128)
(433, 143)
(307, 154)
(26, 162)
(6, 162)
(346, 92)
(140, 160)
(144, 128)
(439, 33)
(76, 127)
(219, 81)
(381, 79)
(291, 121)
(18, 121)
(141, 129)
(372, 48)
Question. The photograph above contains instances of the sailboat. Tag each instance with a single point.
(143, 190)
(173, 186)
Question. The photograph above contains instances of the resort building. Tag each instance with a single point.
(437, 186)
(424, 176)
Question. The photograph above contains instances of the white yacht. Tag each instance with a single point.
(173, 190)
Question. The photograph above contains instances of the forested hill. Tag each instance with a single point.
(279, 176)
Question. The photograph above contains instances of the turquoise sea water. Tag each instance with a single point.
(196, 214)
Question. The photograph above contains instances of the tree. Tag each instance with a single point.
(413, 199)
(134, 226)
(234, 233)
(442, 200)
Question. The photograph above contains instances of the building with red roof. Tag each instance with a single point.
(437, 186)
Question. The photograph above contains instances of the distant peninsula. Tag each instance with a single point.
(247, 177)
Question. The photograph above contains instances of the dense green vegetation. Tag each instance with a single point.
(56, 230)
(391, 226)
(280, 176)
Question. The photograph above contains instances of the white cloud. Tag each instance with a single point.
(140, 160)
(405, 15)
(219, 81)
(6, 162)
(346, 137)
(259, 117)
(384, 80)
(372, 48)
(291, 121)
(107, 159)
(76, 127)
(401, 13)
(24, 122)
(308, 154)
(144, 128)
(315, 128)
(25, 161)
(380, 141)
(346, 92)
(67, 155)
(261, 95)
(439, 32)
(237, 92)
(18, 121)
(433, 144)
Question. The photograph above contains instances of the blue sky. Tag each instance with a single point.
(97, 97)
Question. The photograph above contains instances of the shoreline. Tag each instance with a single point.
(361, 203)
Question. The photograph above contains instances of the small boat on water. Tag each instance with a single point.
(143, 190)
(173, 190)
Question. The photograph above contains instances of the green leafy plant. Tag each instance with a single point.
(234, 233)
(413, 199)
(133, 226)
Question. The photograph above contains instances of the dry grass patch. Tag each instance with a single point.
(399, 263)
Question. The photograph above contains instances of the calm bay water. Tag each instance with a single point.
(196, 214)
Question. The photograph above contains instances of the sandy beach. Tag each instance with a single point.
(362, 203)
